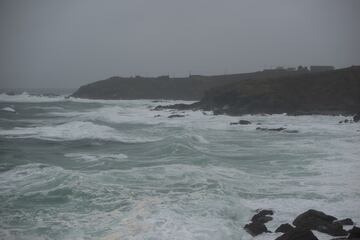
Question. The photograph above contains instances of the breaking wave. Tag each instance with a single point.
(75, 130)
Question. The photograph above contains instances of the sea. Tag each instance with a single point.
(115, 169)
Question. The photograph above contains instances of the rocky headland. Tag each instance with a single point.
(331, 92)
(164, 87)
(265, 92)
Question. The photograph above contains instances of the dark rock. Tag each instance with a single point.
(319, 221)
(298, 234)
(291, 131)
(256, 228)
(346, 120)
(340, 122)
(346, 221)
(354, 233)
(310, 216)
(244, 122)
(356, 118)
(262, 217)
(11, 93)
(333, 229)
(284, 228)
(158, 115)
(271, 129)
(241, 122)
(176, 116)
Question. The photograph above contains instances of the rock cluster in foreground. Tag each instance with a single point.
(303, 225)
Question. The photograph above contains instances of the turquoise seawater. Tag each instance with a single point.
(92, 169)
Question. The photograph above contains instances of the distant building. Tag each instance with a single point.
(321, 68)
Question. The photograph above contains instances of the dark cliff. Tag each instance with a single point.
(191, 88)
(328, 92)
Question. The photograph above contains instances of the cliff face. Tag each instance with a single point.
(191, 88)
(329, 92)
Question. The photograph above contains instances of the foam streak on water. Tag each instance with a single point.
(92, 169)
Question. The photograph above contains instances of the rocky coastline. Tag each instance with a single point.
(303, 226)
(326, 93)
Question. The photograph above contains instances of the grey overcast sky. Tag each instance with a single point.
(67, 43)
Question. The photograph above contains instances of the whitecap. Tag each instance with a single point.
(26, 97)
(96, 157)
(8, 109)
(199, 139)
(75, 130)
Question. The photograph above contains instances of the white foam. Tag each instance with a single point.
(199, 138)
(96, 157)
(25, 97)
(74, 130)
(47, 108)
(8, 109)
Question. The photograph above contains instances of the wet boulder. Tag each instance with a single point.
(262, 216)
(256, 228)
(345, 222)
(316, 220)
(298, 234)
(354, 233)
(284, 228)
(257, 225)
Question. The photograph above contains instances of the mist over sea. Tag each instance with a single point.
(92, 169)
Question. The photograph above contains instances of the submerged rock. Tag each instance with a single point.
(244, 122)
(241, 122)
(284, 228)
(271, 129)
(176, 116)
(298, 234)
(291, 131)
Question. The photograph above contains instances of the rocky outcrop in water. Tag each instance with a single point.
(176, 116)
(257, 224)
(241, 122)
(303, 226)
(316, 220)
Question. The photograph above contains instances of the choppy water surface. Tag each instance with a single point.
(82, 169)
